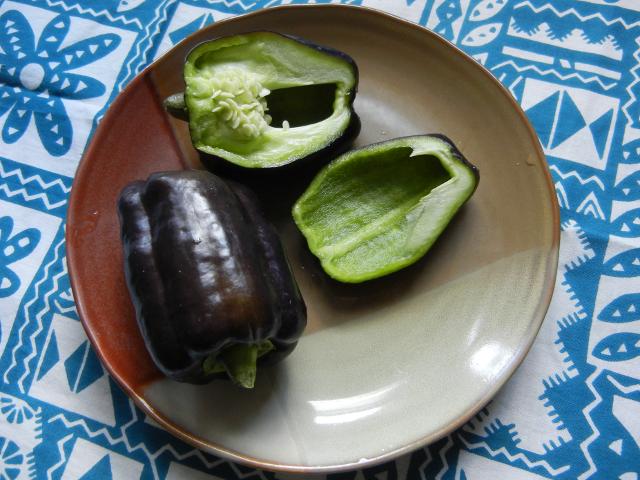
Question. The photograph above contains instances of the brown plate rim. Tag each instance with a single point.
(498, 383)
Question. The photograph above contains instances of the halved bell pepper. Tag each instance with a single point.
(210, 283)
(375, 210)
(263, 100)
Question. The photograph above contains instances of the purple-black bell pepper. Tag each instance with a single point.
(211, 286)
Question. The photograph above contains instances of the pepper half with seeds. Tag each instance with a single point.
(264, 100)
(210, 283)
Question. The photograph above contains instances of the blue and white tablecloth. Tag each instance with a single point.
(572, 411)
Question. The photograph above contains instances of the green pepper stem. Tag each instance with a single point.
(240, 363)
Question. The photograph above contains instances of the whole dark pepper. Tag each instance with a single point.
(208, 277)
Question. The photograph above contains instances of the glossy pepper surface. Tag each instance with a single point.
(208, 277)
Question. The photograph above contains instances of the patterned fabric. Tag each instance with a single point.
(572, 411)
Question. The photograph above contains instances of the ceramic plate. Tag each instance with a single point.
(384, 367)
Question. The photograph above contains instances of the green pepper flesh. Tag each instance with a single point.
(229, 79)
(378, 209)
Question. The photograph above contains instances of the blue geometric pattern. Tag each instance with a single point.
(101, 470)
(572, 411)
(83, 368)
(10, 459)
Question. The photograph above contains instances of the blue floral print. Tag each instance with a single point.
(36, 75)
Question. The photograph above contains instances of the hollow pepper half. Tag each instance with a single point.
(208, 277)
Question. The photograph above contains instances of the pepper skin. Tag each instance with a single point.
(208, 277)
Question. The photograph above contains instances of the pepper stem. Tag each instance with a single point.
(240, 363)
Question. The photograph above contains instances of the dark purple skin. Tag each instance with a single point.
(458, 154)
(205, 270)
(329, 151)
(278, 277)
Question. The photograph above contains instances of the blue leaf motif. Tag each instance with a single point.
(89, 50)
(482, 35)
(16, 36)
(623, 309)
(629, 188)
(52, 36)
(78, 87)
(625, 264)
(7, 97)
(17, 122)
(54, 127)
(618, 347)
(8, 74)
(486, 9)
(628, 224)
